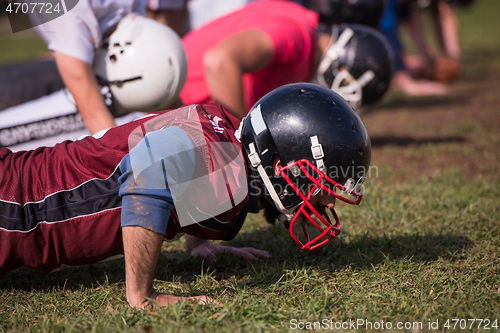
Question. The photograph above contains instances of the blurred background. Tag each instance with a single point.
(461, 125)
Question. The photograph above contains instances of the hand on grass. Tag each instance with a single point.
(209, 252)
(418, 87)
(163, 299)
(202, 248)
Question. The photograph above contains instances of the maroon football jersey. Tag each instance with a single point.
(60, 205)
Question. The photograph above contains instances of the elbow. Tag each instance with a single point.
(216, 62)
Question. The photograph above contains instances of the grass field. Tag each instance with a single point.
(422, 249)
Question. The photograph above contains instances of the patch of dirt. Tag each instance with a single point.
(412, 136)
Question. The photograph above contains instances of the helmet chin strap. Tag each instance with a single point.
(344, 83)
(332, 53)
(317, 153)
(256, 163)
(253, 156)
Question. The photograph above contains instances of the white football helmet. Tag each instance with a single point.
(143, 63)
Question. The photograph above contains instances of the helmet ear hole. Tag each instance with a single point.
(276, 165)
(112, 58)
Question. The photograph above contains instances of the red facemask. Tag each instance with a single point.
(327, 229)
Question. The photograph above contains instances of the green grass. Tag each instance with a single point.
(411, 252)
(19, 47)
(17, 50)
(479, 23)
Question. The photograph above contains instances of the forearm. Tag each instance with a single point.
(94, 113)
(146, 211)
(417, 34)
(79, 78)
(446, 24)
(141, 249)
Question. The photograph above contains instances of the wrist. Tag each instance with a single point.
(141, 300)
(192, 242)
(161, 299)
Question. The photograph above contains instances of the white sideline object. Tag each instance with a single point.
(45, 121)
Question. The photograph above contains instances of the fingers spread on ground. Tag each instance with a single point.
(259, 253)
(204, 300)
(245, 254)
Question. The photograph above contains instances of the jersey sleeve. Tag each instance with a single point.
(156, 171)
(75, 33)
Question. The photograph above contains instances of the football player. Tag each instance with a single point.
(77, 38)
(238, 58)
(126, 189)
(141, 66)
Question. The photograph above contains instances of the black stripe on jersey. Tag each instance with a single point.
(92, 197)
(236, 225)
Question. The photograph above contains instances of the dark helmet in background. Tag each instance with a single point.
(367, 12)
(321, 144)
(427, 3)
(358, 64)
(461, 3)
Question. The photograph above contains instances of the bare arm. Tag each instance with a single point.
(226, 63)
(142, 248)
(416, 29)
(446, 24)
(78, 77)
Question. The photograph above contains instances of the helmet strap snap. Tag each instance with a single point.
(317, 153)
(255, 160)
